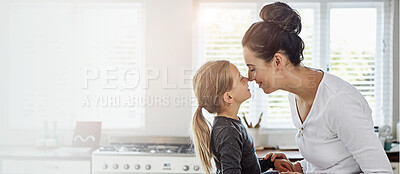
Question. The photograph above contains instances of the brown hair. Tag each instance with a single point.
(279, 31)
(210, 83)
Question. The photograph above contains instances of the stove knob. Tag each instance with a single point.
(105, 166)
(126, 166)
(115, 166)
(148, 167)
(196, 167)
(137, 166)
(185, 168)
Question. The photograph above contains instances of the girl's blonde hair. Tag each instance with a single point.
(210, 83)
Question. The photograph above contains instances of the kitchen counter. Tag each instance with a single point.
(57, 153)
(294, 155)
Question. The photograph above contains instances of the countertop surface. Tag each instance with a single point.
(294, 155)
(85, 153)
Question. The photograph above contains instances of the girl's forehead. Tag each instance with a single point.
(234, 69)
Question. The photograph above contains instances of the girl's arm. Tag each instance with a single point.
(283, 165)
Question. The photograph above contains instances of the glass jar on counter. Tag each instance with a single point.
(388, 143)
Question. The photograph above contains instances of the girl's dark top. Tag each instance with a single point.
(234, 149)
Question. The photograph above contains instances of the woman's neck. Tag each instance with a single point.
(230, 111)
(303, 82)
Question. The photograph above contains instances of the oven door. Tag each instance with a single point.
(131, 164)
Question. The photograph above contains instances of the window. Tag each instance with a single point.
(74, 61)
(356, 51)
(344, 39)
(222, 26)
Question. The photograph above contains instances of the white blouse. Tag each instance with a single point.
(338, 134)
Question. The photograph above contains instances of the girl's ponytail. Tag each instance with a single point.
(202, 138)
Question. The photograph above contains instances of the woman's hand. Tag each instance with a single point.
(284, 165)
(297, 169)
(276, 156)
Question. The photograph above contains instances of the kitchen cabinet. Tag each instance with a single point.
(32, 160)
(45, 166)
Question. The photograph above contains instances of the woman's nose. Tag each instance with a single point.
(250, 76)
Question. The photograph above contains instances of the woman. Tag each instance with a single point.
(220, 89)
(335, 128)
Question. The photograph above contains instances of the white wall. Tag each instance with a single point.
(169, 44)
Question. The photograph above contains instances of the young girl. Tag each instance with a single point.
(221, 89)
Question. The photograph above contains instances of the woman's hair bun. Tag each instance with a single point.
(283, 16)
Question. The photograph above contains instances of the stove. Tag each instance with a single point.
(140, 157)
(157, 149)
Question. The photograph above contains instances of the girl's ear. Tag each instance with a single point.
(228, 98)
(279, 60)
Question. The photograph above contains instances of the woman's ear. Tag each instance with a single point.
(228, 98)
(280, 60)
